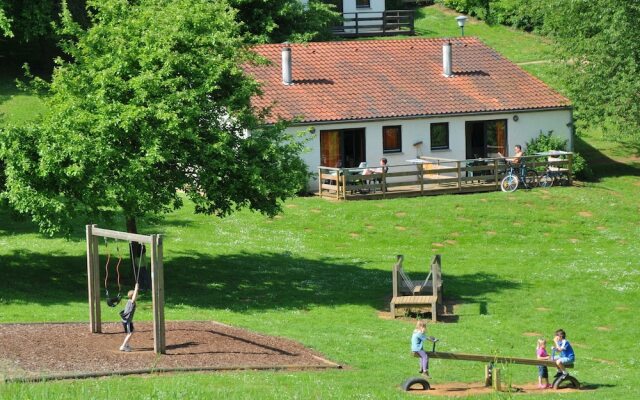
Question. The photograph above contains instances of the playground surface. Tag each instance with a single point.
(70, 350)
(461, 389)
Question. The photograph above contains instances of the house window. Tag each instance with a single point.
(440, 136)
(391, 139)
(363, 3)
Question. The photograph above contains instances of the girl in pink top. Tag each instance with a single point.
(543, 372)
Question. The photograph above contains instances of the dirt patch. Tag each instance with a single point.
(37, 350)
(491, 233)
(454, 234)
(401, 228)
(437, 244)
(601, 228)
(602, 360)
(603, 328)
(401, 214)
(544, 309)
(354, 234)
(461, 389)
(532, 334)
(586, 214)
(573, 240)
(316, 210)
(449, 241)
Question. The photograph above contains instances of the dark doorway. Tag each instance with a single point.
(342, 148)
(485, 138)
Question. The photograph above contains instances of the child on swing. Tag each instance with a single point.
(417, 346)
(127, 317)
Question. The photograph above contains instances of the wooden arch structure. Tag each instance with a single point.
(157, 279)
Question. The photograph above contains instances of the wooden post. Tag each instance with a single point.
(459, 176)
(495, 172)
(495, 378)
(157, 289)
(394, 283)
(384, 182)
(570, 168)
(487, 374)
(421, 172)
(92, 271)
(320, 182)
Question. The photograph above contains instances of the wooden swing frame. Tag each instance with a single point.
(157, 279)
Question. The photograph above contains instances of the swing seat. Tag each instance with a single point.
(113, 301)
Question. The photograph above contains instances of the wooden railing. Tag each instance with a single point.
(432, 176)
(381, 23)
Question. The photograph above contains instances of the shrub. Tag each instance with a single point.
(547, 142)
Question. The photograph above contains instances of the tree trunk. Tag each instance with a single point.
(131, 225)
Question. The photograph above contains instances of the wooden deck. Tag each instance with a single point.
(427, 178)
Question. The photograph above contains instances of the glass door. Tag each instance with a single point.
(343, 148)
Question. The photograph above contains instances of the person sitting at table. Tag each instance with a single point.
(517, 156)
(383, 168)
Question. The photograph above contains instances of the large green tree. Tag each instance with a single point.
(273, 21)
(600, 43)
(152, 102)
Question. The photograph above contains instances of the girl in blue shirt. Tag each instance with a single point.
(417, 346)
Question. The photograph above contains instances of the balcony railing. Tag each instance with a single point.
(371, 23)
(427, 176)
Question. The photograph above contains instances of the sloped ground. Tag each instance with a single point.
(35, 351)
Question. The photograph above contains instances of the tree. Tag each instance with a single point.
(600, 43)
(153, 102)
(274, 21)
(5, 22)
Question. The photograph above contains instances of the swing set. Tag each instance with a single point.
(113, 301)
(157, 276)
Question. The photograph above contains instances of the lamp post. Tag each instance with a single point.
(461, 20)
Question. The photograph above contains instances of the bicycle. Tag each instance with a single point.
(517, 174)
(553, 176)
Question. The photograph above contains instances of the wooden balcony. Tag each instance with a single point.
(382, 23)
(426, 177)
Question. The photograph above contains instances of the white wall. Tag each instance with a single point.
(527, 127)
(349, 6)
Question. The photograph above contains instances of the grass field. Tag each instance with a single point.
(517, 265)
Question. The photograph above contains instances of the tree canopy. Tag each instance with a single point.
(274, 21)
(600, 42)
(153, 101)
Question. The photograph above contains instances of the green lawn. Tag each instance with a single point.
(515, 264)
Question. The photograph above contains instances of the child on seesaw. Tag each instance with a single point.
(562, 345)
(417, 346)
(543, 372)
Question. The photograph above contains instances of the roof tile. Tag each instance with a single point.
(394, 78)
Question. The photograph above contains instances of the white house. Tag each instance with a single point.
(452, 99)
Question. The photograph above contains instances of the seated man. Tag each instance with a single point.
(383, 168)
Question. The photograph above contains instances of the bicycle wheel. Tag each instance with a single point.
(546, 180)
(531, 179)
(509, 183)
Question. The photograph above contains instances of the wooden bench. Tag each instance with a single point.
(422, 296)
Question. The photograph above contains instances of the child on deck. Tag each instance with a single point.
(543, 372)
(417, 346)
(567, 356)
(127, 318)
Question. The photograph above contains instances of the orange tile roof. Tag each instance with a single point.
(354, 80)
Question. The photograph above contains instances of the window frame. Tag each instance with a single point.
(359, 6)
(446, 146)
(399, 139)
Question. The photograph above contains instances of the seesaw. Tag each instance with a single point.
(491, 373)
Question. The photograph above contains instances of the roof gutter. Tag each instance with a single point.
(419, 116)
